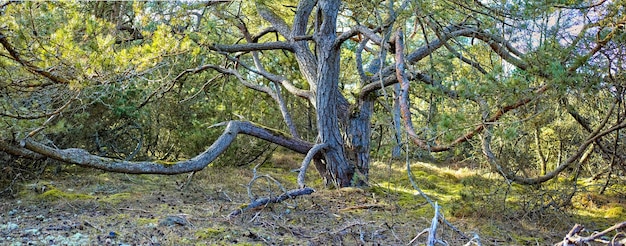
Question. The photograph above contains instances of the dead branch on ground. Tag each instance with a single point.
(574, 239)
(261, 202)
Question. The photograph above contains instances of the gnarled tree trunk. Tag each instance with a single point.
(327, 96)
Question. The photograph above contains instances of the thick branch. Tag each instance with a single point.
(404, 92)
(300, 21)
(281, 26)
(82, 158)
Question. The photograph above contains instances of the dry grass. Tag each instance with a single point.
(118, 208)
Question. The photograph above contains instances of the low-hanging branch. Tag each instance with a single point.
(83, 158)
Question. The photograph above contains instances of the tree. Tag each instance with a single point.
(466, 70)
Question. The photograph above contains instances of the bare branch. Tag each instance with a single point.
(301, 20)
(54, 115)
(593, 5)
(307, 160)
(262, 33)
(252, 47)
(359, 29)
(83, 158)
(572, 237)
(278, 79)
(404, 92)
(465, 59)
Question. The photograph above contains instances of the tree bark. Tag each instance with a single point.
(396, 152)
(327, 95)
(358, 135)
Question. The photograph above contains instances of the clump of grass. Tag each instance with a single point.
(116, 198)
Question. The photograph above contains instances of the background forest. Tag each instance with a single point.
(508, 114)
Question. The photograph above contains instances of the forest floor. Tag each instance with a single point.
(90, 207)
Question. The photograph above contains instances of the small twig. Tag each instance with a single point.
(416, 237)
(87, 223)
(365, 206)
(53, 116)
(186, 183)
(133, 209)
(345, 227)
(249, 187)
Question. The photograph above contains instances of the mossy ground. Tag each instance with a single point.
(119, 208)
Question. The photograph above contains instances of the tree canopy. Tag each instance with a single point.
(533, 89)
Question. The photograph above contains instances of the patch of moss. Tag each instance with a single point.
(116, 198)
(614, 212)
(419, 173)
(450, 177)
(209, 233)
(247, 244)
(146, 221)
(403, 197)
(476, 181)
(56, 194)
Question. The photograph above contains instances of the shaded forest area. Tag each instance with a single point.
(506, 117)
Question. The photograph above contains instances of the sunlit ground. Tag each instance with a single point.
(93, 207)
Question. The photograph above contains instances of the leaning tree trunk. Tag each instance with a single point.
(327, 94)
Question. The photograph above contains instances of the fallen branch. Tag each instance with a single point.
(572, 238)
(268, 200)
